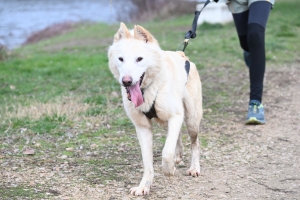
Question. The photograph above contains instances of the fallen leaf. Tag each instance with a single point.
(54, 192)
(64, 157)
(115, 94)
(93, 146)
(23, 130)
(31, 183)
(37, 145)
(28, 151)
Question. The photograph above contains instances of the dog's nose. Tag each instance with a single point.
(126, 80)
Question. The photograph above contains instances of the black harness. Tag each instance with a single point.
(152, 112)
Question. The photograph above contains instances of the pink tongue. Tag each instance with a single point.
(136, 94)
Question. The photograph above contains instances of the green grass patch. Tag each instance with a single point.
(20, 192)
(44, 76)
(204, 142)
(98, 100)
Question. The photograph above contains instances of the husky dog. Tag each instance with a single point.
(161, 86)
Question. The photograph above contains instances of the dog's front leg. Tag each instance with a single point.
(145, 140)
(168, 154)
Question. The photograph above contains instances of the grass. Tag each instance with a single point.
(59, 93)
(21, 193)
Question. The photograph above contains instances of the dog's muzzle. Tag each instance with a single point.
(127, 85)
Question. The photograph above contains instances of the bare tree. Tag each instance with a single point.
(149, 9)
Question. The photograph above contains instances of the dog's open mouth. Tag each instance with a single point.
(134, 92)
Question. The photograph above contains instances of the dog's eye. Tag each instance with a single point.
(121, 59)
(139, 59)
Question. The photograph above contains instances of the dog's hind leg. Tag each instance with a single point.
(145, 139)
(195, 165)
(193, 115)
(192, 119)
(179, 150)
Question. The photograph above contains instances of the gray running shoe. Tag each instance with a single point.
(247, 58)
(256, 113)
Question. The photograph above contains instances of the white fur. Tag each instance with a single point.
(177, 97)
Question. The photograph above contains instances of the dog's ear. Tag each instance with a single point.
(123, 32)
(142, 34)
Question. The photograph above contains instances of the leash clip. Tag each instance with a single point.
(185, 43)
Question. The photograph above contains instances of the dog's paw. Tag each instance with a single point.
(168, 168)
(195, 172)
(170, 172)
(140, 191)
(178, 157)
(177, 160)
(178, 153)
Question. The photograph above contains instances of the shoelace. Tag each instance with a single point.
(255, 108)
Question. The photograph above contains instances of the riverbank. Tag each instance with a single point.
(19, 19)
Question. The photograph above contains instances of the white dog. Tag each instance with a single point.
(159, 85)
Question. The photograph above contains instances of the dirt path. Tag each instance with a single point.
(242, 162)
(238, 161)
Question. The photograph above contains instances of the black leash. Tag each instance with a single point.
(191, 34)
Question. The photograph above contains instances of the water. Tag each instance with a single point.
(19, 18)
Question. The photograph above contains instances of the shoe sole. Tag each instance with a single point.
(254, 121)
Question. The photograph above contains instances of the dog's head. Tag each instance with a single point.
(132, 54)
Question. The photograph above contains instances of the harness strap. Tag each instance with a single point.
(152, 112)
(187, 67)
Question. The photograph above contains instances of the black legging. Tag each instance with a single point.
(250, 26)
